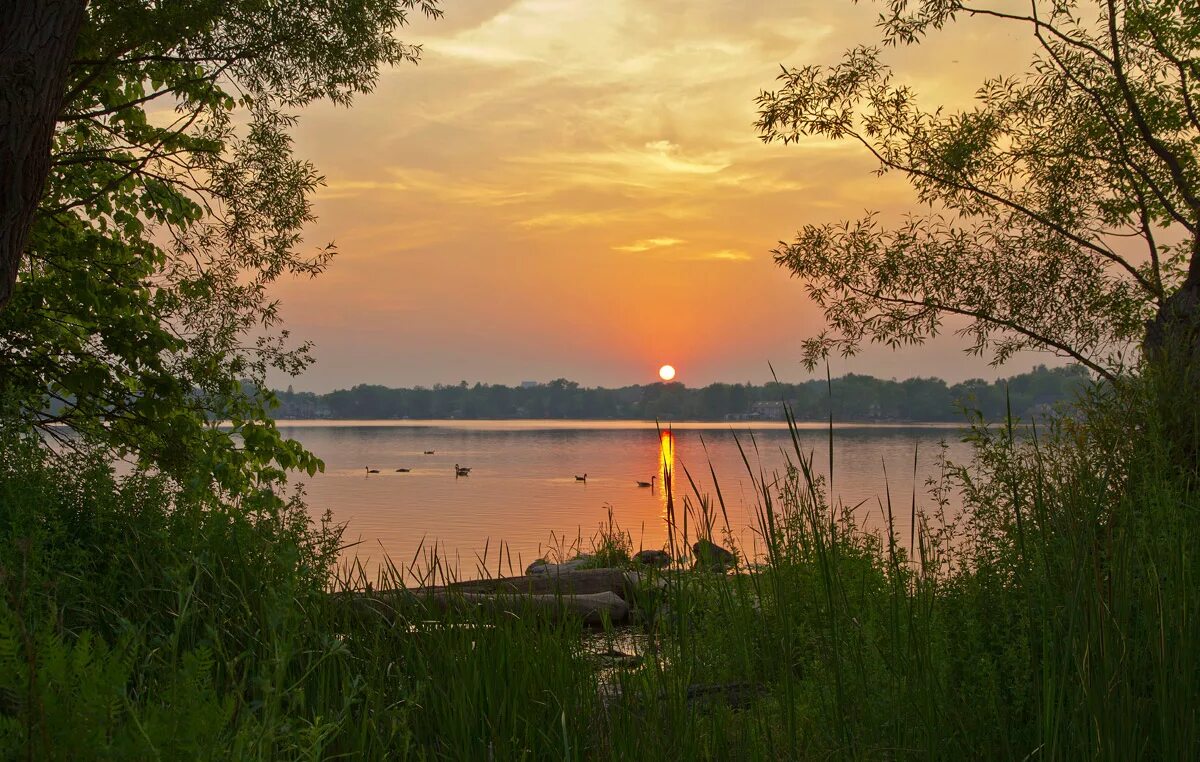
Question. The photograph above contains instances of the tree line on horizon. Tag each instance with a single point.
(855, 398)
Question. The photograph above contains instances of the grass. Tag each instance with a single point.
(1055, 619)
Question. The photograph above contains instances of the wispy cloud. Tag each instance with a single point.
(584, 140)
(646, 244)
(726, 255)
(569, 219)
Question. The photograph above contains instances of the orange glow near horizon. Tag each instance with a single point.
(520, 207)
(666, 372)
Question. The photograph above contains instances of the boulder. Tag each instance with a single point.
(542, 566)
(711, 556)
(657, 558)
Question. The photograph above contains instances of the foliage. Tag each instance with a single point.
(855, 398)
(1062, 210)
(174, 201)
(1055, 617)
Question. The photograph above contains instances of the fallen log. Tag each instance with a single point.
(594, 595)
(576, 582)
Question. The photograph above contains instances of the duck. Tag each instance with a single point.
(429, 452)
(371, 470)
(461, 470)
(649, 483)
(403, 470)
(579, 478)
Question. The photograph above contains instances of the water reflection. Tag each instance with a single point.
(522, 484)
(666, 462)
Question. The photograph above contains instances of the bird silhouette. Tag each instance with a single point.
(649, 483)
(371, 470)
(579, 478)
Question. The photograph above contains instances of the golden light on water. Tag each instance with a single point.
(666, 450)
(666, 459)
(666, 372)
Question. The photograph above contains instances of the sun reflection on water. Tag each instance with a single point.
(666, 463)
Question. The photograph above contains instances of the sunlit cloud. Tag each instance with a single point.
(547, 158)
(566, 220)
(726, 255)
(646, 244)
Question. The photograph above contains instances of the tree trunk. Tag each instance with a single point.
(37, 38)
(1173, 353)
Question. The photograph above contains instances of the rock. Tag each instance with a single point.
(657, 558)
(542, 566)
(711, 556)
(536, 566)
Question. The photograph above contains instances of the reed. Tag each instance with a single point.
(1054, 618)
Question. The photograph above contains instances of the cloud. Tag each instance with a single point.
(727, 255)
(583, 140)
(569, 219)
(646, 244)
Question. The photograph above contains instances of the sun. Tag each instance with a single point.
(666, 373)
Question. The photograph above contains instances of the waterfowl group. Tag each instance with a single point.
(466, 471)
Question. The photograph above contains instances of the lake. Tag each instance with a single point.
(522, 495)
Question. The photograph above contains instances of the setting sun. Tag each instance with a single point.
(666, 372)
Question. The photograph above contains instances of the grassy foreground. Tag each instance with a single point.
(1056, 618)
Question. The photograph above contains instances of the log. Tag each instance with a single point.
(590, 594)
(593, 608)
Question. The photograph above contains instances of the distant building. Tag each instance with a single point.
(762, 411)
(767, 411)
(529, 384)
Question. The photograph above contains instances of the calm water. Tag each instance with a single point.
(522, 492)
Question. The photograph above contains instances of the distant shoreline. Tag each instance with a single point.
(605, 423)
(850, 399)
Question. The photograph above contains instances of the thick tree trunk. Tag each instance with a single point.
(37, 38)
(1173, 351)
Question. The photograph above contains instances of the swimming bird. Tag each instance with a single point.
(371, 470)
(403, 470)
(429, 452)
(649, 483)
(461, 470)
(579, 478)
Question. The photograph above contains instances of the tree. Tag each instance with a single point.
(36, 40)
(141, 315)
(1062, 210)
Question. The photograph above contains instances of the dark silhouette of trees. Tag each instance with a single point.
(854, 398)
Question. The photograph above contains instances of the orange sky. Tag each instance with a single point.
(572, 188)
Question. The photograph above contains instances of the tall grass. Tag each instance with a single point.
(1055, 617)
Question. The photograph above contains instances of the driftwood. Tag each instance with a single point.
(576, 582)
(593, 595)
